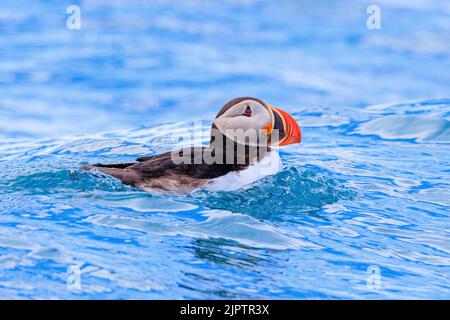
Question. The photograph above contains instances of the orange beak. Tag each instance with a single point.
(287, 127)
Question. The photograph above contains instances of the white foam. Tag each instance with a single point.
(420, 128)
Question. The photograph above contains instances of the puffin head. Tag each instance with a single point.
(251, 121)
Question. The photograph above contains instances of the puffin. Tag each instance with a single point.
(240, 152)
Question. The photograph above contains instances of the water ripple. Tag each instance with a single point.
(292, 191)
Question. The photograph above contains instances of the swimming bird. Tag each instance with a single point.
(239, 153)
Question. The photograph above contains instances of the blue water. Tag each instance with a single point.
(368, 187)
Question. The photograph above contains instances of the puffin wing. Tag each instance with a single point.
(135, 172)
(163, 164)
(161, 172)
(142, 159)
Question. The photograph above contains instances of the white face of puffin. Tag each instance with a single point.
(247, 122)
(251, 121)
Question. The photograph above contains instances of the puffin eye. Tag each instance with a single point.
(247, 112)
